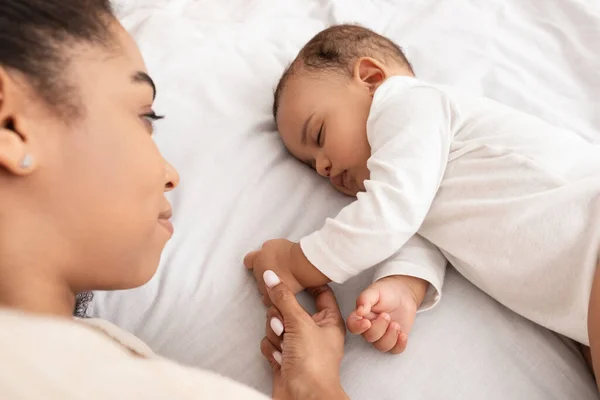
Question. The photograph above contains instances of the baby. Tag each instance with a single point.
(511, 201)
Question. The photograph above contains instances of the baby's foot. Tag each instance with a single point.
(385, 313)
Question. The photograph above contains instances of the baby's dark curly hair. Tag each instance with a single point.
(336, 49)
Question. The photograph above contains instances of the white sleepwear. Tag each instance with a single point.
(511, 201)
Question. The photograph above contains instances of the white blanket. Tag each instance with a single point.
(216, 64)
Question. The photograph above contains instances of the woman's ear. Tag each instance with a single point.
(15, 157)
(370, 73)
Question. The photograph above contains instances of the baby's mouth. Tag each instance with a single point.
(339, 180)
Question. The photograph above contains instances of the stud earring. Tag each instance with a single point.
(26, 162)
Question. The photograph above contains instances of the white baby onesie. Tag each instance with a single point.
(511, 201)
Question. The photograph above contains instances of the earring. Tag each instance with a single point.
(26, 162)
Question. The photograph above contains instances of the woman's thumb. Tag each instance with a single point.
(282, 297)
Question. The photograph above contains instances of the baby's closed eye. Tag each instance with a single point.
(320, 136)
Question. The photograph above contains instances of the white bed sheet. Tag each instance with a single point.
(216, 63)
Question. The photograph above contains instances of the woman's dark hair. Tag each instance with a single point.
(36, 34)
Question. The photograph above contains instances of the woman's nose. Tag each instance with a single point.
(172, 177)
(323, 167)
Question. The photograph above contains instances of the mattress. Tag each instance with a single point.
(216, 64)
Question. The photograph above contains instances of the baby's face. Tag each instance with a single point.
(323, 122)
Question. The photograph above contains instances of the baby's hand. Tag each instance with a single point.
(275, 255)
(385, 313)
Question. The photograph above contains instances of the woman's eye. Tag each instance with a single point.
(151, 117)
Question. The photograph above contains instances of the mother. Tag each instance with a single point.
(82, 208)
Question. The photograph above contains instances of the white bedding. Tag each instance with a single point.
(216, 63)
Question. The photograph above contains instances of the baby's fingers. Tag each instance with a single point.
(260, 283)
(357, 325)
(249, 259)
(389, 339)
(400, 344)
(366, 300)
(378, 328)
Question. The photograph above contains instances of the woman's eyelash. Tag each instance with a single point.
(152, 116)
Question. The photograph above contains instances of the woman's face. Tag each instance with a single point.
(94, 194)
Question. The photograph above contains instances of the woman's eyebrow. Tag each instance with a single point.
(142, 77)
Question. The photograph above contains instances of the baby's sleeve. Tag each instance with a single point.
(409, 129)
(420, 259)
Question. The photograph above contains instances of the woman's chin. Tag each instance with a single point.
(133, 282)
(130, 276)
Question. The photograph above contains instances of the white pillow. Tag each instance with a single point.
(216, 64)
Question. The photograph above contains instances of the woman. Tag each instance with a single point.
(82, 208)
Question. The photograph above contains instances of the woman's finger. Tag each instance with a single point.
(324, 298)
(327, 304)
(275, 321)
(271, 353)
(283, 298)
(389, 338)
(274, 331)
(378, 328)
(266, 301)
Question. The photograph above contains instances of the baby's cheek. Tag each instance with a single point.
(361, 181)
(349, 192)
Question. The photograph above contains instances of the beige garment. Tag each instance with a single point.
(51, 358)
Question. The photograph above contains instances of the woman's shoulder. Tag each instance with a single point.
(64, 357)
(40, 331)
(126, 339)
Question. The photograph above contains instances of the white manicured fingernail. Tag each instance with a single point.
(277, 326)
(277, 356)
(271, 279)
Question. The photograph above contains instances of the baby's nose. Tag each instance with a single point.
(323, 166)
(325, 170)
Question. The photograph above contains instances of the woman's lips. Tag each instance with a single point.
(164, 219)
(165, 223)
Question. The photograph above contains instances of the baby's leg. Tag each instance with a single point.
(594, 324)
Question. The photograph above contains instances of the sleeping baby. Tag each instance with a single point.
(512, 202)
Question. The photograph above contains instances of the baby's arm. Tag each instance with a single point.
(409, 281)
(304, 272)
(420, 259)
(410, 131)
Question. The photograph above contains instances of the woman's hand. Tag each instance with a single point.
(305, 352)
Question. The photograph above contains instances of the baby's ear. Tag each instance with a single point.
(370, 72)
